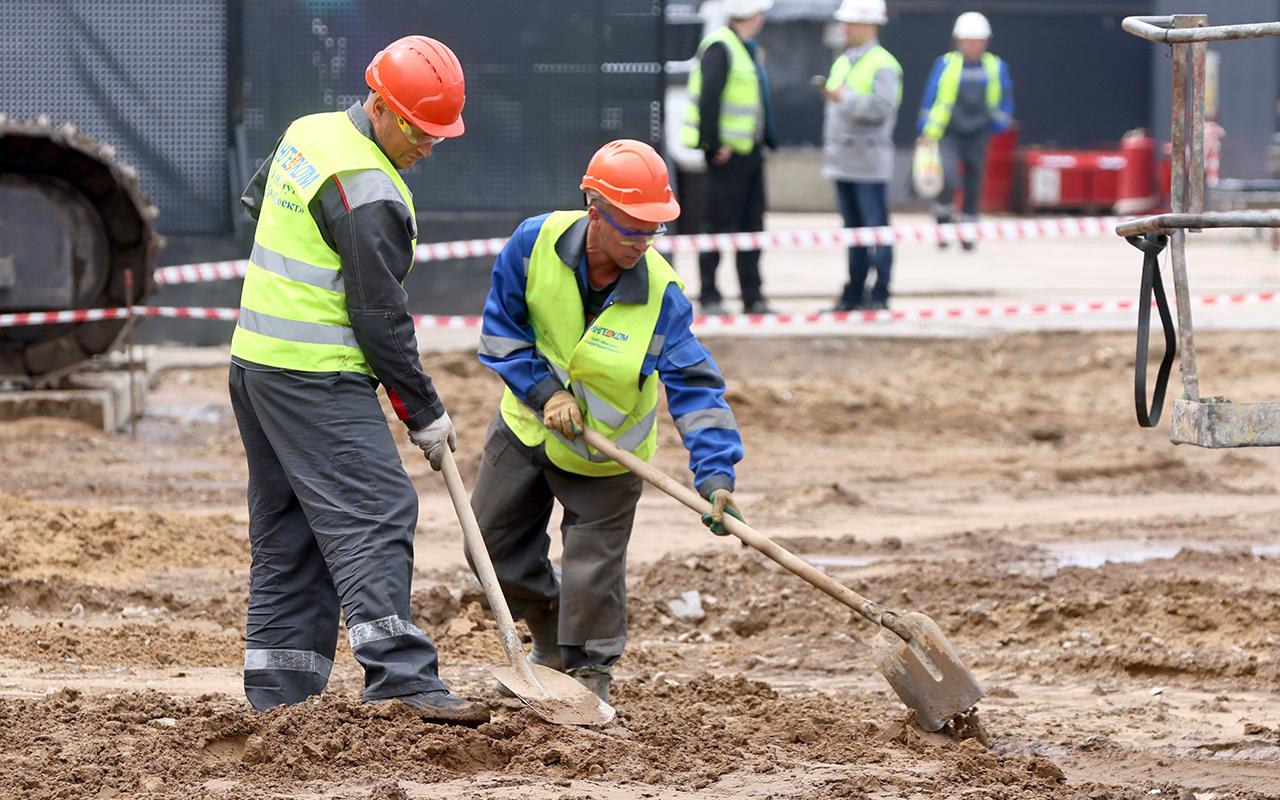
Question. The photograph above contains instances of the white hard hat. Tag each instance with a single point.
(868, 11)
(971, 25)
(741, 9)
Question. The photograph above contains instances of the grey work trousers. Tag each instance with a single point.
(969, 150)
(514, 494)
(331, 520)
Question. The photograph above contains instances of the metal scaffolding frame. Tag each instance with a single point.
(1202, 421)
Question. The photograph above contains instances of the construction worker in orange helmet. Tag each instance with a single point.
(323, 321)
(584, 319)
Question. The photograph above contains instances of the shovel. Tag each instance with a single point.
(552, 695)
(911, 651)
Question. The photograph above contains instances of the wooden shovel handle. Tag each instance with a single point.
(869, 609)
(484, 569)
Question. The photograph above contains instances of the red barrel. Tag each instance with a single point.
(1136, 190)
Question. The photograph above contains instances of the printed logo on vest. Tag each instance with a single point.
(296, 165)
(609, 333)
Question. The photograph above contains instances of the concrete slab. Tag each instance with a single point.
(98, 399)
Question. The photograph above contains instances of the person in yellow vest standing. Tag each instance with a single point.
(863, 93)
(323, 321)
(583, 320)
(729, 117)
(968, 96)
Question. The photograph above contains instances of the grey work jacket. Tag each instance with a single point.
(857, 130)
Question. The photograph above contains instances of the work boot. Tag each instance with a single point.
(714, 308)
(596, 677)
(760, 306)
(445, 708)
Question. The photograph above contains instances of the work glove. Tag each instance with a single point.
(433, 438)
(721, 501)
(561, 414)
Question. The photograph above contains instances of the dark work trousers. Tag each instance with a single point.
(971, 152)
(864, 204)
(514, 493)
(331, 521)
(735, 203)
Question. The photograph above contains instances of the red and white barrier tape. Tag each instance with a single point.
(701, 323)
(200, 273)
(1006, 230)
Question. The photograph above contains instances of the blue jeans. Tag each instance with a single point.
(864, 205)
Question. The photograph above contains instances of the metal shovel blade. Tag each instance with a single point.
(926, 672)
(556, 697)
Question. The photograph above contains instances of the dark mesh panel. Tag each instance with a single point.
(148, 77)
(547, 83)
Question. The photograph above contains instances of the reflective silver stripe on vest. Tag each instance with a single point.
(741, 109)
(295, 270)
(364, 186)
(630, 439)
(379, 629)
(287, 660)
(500, 346)
(656, 344)
(598, 407)
(292, 330)
(706, 418)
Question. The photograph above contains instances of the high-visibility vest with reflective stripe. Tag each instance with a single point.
(859, 76)
(293, 308)
(741, 107)
(600, 365)
(949, 90)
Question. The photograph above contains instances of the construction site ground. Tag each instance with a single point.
(1118, 596)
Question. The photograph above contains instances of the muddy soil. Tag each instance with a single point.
(1118, 597)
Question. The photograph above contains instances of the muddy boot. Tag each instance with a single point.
(446, 708)
(545, 650)
(596, 677)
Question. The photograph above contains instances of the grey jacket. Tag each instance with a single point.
(857, 130)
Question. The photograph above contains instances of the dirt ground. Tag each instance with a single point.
(1118, 596)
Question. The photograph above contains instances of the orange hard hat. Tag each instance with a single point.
(631, 176)
(421, 80)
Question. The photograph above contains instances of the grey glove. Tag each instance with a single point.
(433, 438)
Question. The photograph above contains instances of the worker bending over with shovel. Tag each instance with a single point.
(583, 319)
(323, 321)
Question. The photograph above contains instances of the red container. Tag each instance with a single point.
(1106, 169)
(1137, 192)
(1056, 179)
(997, 189)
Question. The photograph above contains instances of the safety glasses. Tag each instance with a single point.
(414, 135)
(639, 237)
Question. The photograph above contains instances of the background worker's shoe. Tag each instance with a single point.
(446, 708)
(713, 309)
(596, 677)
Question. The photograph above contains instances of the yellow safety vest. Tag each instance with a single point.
(293, 308)
(741, 106)
(859, 76)
(949, 90)
(600, 364)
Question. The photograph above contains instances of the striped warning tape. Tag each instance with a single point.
(995, 230)
(700, 323)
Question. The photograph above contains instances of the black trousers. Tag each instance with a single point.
(971, 152)
(331, 520)
(735, 204)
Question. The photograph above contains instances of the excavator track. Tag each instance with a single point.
(76, 232)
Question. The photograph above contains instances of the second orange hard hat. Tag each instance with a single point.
(632, 177)
(421, 80)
